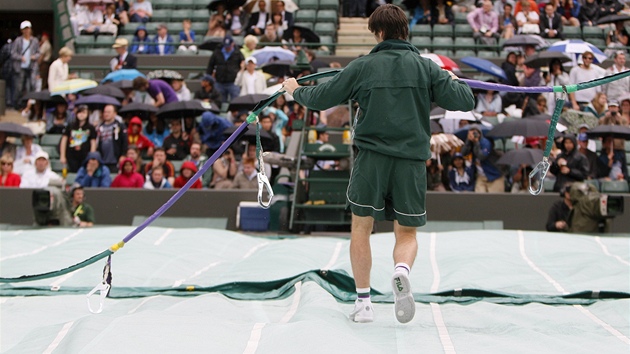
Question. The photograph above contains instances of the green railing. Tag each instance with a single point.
(63, 26)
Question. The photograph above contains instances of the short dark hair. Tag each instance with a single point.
(391, 20)
(139, 83)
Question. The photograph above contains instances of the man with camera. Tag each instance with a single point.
(489, 178)
(558, 219)
(570, 166)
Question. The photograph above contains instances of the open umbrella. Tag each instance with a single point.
(522, 127)
(271, 54)
(270, 90)
(543, 58)
(97, 100)
(212, 43)
(252, 6)
(613, 19)
(181, 109)
(308, 35)
(107, 90)
(73, 86)
(137, 107)
(524, 156)
(122, 74)
(165, 75)
(246, 102)
(485, 66)
(250, 133)
(616, 131)
(435, 127)
(122, 84)
(442, 61)
(444, 142)
(441, 113)
(576, 47)
(84, 2)
(462, 133)
(15, 130)
(522, 40)
(280, 68)
(43, 95)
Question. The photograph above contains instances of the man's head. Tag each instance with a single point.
(507, 8)
(27, 140)
(26, 28)
(270, 31)
(587, 59)
(195, 150)
(568, 144)
(162, 30)
(262, 5)
(140, 84)
(266, 122)
(530, 50)
(613, 106)
(157, 174)
(41, 161)
(250, 64)
(549, 10)
(582, 139)
(228, 43)
(186, 23)
(207, 81)
(280, 6)
(389, 22)
(322, 135)
(93, 161)
(249, 165)
(159, 155)
(109, 113)
(620, 58)
(176, 126)
(120, 45)
(487, 6)
(78, 194)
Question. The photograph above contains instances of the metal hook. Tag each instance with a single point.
(103, 288)
(263, 183)
(537, 177)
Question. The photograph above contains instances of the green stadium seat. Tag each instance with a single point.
(421, 30)
(70, 177)
(200, 4)
(175, 27)
(460, 18)
(598, 42)
(161, 15)
(88, 75)
(179, 15)
(442, 31)
(185, 52)
(56, 165)
(163, 4)
(152, 28)
(50, 140)
(130, 28)
(572, 32)
(548, 184)
(614, 187)
(200, 16)
(626, 145)
(185, 4)
(52, 151)
(463, 30)
(421, 42)
(442, 43)
(329, 5)
(306, 15)
(177, 164)
(325, 29)
(510, 145)
(487, 54)
(128, 37)
(598, 145)
(102, 51)
(498, 144)
(104, 41)
(327, 16)
(592, 182)
(592, 32)
(465, 43)
(83, 43)
(308, 4)
(447, 53)
(306, 24)
(465, 53)
(200, 28)
(203, 52)
(324, 40)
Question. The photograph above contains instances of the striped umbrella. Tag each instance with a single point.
(73, 86)
(575, 48)
(442, 61)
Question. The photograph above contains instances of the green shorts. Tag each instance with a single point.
(388, 188)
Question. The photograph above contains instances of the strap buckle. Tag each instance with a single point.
(103, 288)
(537, 176)
(263, 183)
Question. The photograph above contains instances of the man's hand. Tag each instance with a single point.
(171, 151)
(290, 85)
(561, 225)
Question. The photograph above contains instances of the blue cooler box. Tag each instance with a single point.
(250, 216)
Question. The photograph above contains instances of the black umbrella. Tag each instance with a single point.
(613, 18)
(211, 44)
(137, 107)
(435, 127)
(122, 84)
(522, 40)
(246, 103)
(524, 156)
(278, 68)
(616, 131)
(43, 95)
(181, 109)
(308, 35)
(544, 58)
(107, 90)
(16, 130)
(249, 134)
(165, 75)
(213, 5)
(523, 127)
(97, 100)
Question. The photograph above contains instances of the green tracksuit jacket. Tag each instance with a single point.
(394, 87)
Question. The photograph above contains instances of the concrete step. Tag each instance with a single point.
(354, 26)
(345, 32)
(356, 40)
(352, 52)
(353, 20)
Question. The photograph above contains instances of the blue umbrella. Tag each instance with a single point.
(97, 99)
(266, 54)
(485, 66)
(575, 47)
(462, 133)
(122, 74)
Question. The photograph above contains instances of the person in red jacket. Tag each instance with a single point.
(137, 139)
(185, 173)
(128, 177)
(7, 177)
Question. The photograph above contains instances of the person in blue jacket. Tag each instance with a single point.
(141, 42)
(211, 131)
(93, 173)
(163, 43)
(461, 177)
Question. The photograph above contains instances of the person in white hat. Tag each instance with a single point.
(25, 53)
(124, 60)
(42, 175)
(250, 80)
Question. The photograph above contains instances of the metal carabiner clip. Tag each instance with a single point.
(103, 288)
(263, 183)
(537, 177)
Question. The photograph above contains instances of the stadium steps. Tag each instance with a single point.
(354, 31)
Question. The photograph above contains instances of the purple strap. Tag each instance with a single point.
(506, 88)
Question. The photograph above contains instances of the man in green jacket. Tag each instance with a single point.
(394, 87)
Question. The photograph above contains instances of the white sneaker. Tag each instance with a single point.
(363, 311)
(404, 304)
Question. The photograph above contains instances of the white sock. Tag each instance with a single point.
(363, 294)
(402, 267)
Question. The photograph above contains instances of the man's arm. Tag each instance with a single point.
(326, 95)
(472, 20)
(448, 92)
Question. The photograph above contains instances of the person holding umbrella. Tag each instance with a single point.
(612, 162)
(208, 93)
(159, 90)
(177, 145)
(258, 20)
(251, 81)
(589, 13)
(58, 70)
(586, 72)
(556, 77)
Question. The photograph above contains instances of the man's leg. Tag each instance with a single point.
(19, 86)
(234, 91)
(406, 246)
(405, 251)
(361, 259)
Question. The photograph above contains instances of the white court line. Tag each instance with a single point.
(334, 257)
(57, 283)
(133, 310)
(605, 249)
(587, 313)
(254, 249)
(36, 251)
(297, 295)
(445, 338)
(163, 237)
(55, 343)
(3, 300)
(196, 274)
(254, 339)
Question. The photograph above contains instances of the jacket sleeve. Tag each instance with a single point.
(454, 95)
(581, 169)
(82, 177)
(106, 180)
(331, 93)
(212, 63)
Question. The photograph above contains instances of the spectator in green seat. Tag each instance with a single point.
(163, 42)
(141, 42)
(141, 11)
